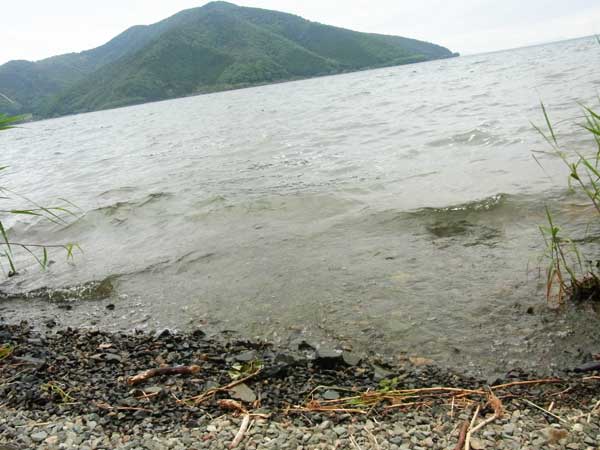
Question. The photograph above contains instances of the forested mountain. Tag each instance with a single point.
(215, 47)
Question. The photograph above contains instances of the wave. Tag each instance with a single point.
(474, 137)
(485, 204)
(113, 208)
(461, 222)
(89, 291)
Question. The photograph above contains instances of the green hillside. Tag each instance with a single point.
(215, 47)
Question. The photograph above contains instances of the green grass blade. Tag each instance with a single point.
(549, 124)
(5, 237)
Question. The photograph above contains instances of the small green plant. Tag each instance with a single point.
(55, 389)
(54, 214)
(238, 370)
(388, 385)
(567, 275)
(6, 351)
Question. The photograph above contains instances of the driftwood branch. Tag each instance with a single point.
(146, 375)
(240, 434)
(462, 436)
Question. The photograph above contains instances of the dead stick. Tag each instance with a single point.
(545, 411)
(442, 389)
(523, 383)
(146, 375)
(591, 378)
(462, 436)
(342, 410)
(400, 405)
(354, 443)
(373, 438)
(484, 423)
(120, 408)
(240, 434)
(471, 425)
(212, 392)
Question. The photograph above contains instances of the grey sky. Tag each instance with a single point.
(35, 29)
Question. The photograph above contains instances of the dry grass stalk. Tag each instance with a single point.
(545, 411)
(373, 439)
(325, 410)
(354, 443)
(593, 378)
(106, 406)
(212, 392)
(147, 374)
(527, 383)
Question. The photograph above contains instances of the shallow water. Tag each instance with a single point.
(392, 211)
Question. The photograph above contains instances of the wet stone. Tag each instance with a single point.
(509, 429)
(351, 359)
(331, 395)
(39, 436)
(244, 393)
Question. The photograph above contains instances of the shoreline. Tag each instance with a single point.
(67, 379)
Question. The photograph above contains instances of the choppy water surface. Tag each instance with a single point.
(393, 210)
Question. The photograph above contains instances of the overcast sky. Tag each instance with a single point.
(35, 29)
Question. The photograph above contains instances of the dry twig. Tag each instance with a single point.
(146, 375)
(354, 443)
(527, 383)
(471, 425)
(545, 411)
(462, 436)
(102, 405)
(373, 438)
(242, 431)
(211, 392)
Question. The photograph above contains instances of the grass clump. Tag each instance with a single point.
(56, 390)
(571, 276)
(6, 351)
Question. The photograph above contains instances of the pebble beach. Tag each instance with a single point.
(72, 389)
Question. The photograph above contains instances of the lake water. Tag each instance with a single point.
(393, 211)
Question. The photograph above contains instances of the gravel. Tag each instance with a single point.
(67, 389)
(21, 430)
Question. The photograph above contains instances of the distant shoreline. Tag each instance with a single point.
(218, 90)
